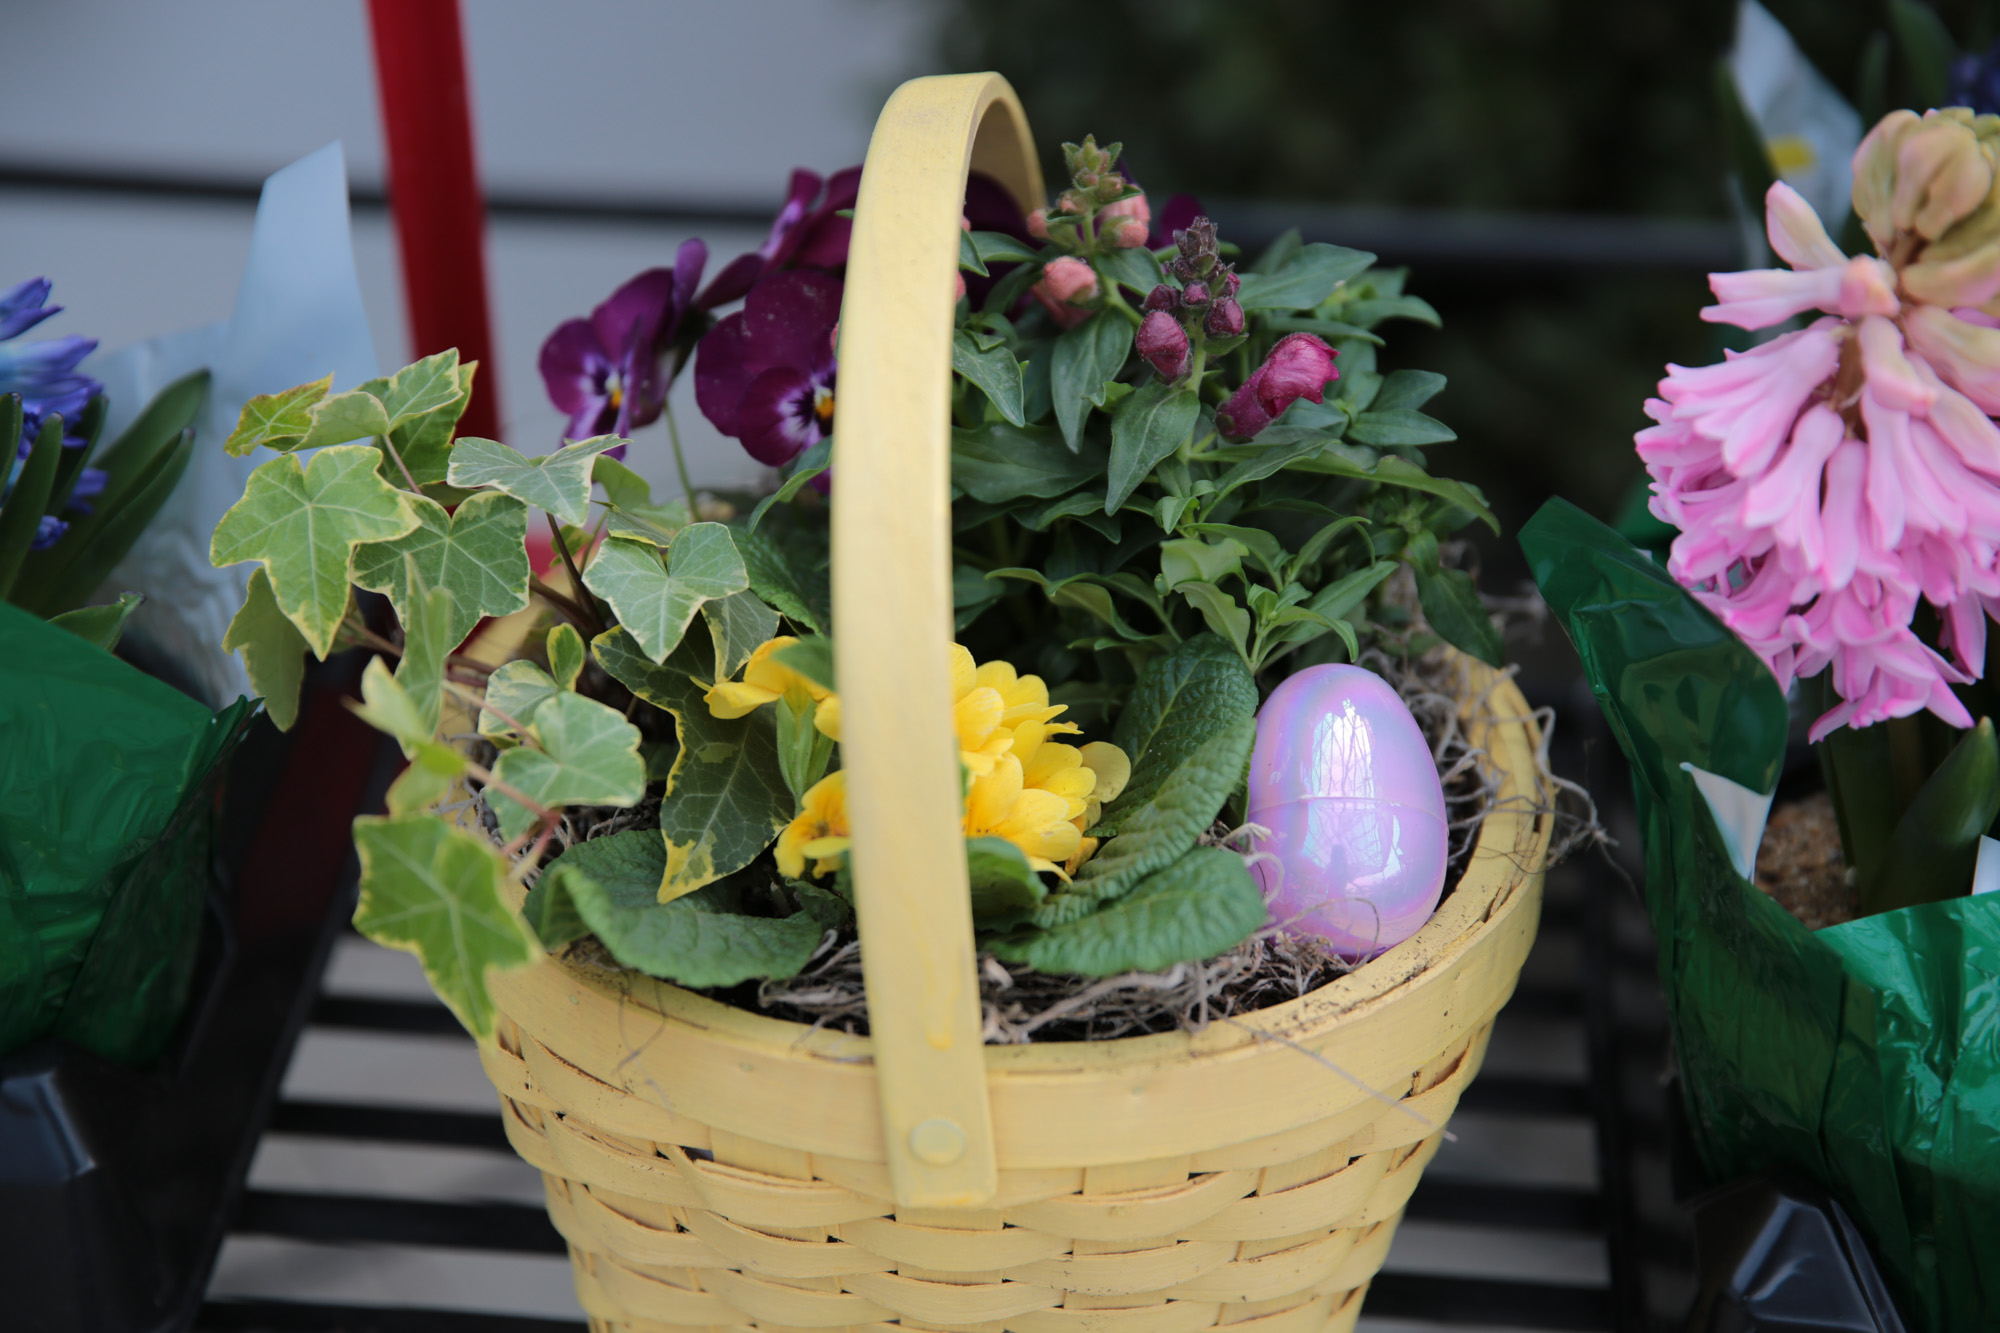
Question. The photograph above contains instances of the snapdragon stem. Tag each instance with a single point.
(680, 461)
(1113, 300)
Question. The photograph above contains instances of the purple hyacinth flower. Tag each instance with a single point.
(47, 533)
(765, 374)
(43, 373)
(807, 233)
(24, 307)
(607, 371)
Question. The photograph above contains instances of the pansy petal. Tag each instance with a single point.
(775, 420)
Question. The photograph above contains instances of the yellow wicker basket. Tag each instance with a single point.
(712, 1167)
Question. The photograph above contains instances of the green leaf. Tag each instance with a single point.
(1308, 279)
(347, 417)
(737, 624)
(771, 578)
(1002, 880)
(304, 523)
(1451, 604)
(21, 512)
(808, 465)
(1147, 427)
(1188, 559)
(589, 755)
(972, 594)
(1317, 544)
(1085, 592)
(274, 652)
(1182, 699)
(811, 657)
(566, 653)
(804, 750)
(426, 644)
(998, 463)
(1393, 471)
(693, 940)
(1928, 50)
(515, 689)
(416, 789)
(433, 890)
(1374, 310)
(1935, 847)
(618, 653)
(386, 706)
(559, 482)
(1338, 600)
(1407, 388)
(1201, 905)
(423, 402)
(996, 372)
(1154, 831)
(1085, 359)
(101, 625)
(1220, 612)
(655, 601)
(1134, 268)
(630, 500)
(551, 911)
(1398, 426)
(994, 247)
(1332, 330)
(276, 420)
(476, 553)
(968, 256)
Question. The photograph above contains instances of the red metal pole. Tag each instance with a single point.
(434, 188)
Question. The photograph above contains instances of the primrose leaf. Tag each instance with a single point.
(1154, 831)
(771, 578)
(997, 463)
(516, 689)
(433, 890)
(566, 653)
(589, 755)
(654, 601)
(423, 403)
(304, 522)
(995, 371)
(1308, 278)
(1181, 699)
(276, 420)
(695, 940)
(737, 624)
(1397, 426)
(1002, 880)
(1147, 427)
(559, 482)
(345, 417)
(1086, 357)
(477, 553)
(1200, 905)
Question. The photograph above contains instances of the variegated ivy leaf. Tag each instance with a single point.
(655, 601)
(566, 655)
(276, 420)
(433, 890)
(559, 482)
(633, 513)
(427, 642)
(476, 553)
(274, 652)
(737, 623)
(423, 403)
(346, 417)
(587, 754)
(513, 692)
(303, 522)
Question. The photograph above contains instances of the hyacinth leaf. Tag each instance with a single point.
(21, 512)
(513, 692)
(737, 624)
(1407, 389)
(588, 754)
(1154, 832)
(1388, 429)
(423, 403)
(1221, 613)
(697, 940)
(101, 625)
(344, 418)
(477, 553)
(278, 421)
(566, 653)
(655, 602)
(303, 523)
(807, 466)
(1935, 847)
(274, 652)
(1181, 699)
(559, 482)
(811, 657)
(994, 371)
(1002, 880)
(1305, 280)
(998, 463)
(1146, 428)
(772, 579)
(427, 642)
(1202, 904)
(1086, 358)
(434, 890)
(725, 798)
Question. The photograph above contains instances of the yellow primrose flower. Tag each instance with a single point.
(1000, 805)
(819, 832)
(977, 715)
(1111, 768)
(765, 679)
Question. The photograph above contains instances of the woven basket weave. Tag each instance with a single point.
(712, 1167)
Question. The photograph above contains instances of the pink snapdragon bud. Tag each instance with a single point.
(1225, 319)
(1195, 294)
(1163, 344)
(1300, 366)
(1038, 223)
(1067, 283)
(1126, 223)
(1162, 297)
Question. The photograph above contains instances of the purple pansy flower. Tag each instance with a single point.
(606, 372)
(765, 374)
(43, 373)
(808, 233)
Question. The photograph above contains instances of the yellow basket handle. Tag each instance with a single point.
(893, 609)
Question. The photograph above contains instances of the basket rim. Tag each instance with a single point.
(1508, 855)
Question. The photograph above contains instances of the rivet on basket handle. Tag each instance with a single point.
(893, 623)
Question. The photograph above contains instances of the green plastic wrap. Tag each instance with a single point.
(107, 785)
(1866, 1055)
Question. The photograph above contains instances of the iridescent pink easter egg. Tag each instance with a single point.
(1345, 782)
